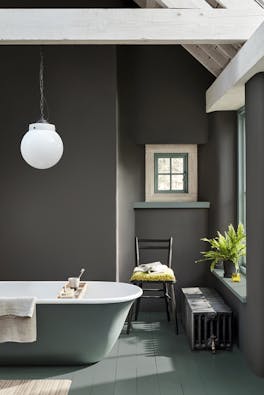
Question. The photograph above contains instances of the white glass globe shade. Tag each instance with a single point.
(41, 147)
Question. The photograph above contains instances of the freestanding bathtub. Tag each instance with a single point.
(70, 331)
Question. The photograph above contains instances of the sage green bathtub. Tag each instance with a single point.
(71, 333)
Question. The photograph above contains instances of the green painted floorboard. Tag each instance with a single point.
(152, 360)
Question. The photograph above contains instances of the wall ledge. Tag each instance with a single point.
(184, 205)
(238, 289)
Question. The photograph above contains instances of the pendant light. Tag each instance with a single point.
(41, 147)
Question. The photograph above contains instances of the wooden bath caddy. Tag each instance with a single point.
(71, 293)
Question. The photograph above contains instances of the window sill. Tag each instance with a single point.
(238, 289)
(172, 205)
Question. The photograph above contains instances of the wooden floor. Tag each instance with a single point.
(152, 360)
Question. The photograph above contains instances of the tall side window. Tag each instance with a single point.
(242, 174)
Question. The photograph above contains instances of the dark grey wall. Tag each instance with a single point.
(131, 156)
(255, 221)
(217, 170)
(56, 221)
(166, 95)
(161, 100)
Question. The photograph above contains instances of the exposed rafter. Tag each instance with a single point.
(238, 4)
(147, 3)
(206, 60)
(260, 3)
(213, 57)
(184, 4)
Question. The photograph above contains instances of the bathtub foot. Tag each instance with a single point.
(129, 319)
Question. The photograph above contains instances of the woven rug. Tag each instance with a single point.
(34, 387)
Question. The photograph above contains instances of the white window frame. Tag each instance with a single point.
(150, 194)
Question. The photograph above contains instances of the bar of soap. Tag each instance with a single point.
(236, 277)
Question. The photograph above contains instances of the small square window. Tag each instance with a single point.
(171, 172)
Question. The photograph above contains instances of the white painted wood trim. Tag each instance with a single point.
(126, 26)
(150, 195)
(228, 90)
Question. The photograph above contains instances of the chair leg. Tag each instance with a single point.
(129, 319)
(174, 308)
(165, 292)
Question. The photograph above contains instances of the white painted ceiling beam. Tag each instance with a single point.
(126, 26)
(228, 90)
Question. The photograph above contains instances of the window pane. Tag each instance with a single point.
(164, 183)
(242, 176)
(177, 165)
(177, 182)
(164, 165)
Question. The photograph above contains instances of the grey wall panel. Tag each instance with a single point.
(156, 99)
(255, 221)
(129, 190)
(217, 170)
(166, 95)
(131, 158)
(54, 222)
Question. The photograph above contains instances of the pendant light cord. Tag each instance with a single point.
(41, 85)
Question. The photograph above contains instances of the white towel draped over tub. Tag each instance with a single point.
(18, 320)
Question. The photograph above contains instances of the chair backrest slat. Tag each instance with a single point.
(154, 244)
(153, 248)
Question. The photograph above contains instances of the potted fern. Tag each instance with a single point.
(227, 248)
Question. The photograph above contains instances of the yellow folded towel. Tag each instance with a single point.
(168, 275)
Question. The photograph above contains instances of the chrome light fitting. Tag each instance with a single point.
(41, 147)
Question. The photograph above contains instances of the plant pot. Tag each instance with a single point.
(229, 269)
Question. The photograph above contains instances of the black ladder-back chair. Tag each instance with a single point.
(167, 292)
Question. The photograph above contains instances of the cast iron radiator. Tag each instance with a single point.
(207, 319)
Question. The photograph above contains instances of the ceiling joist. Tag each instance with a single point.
(207, 61)
(213, 57)
(238, 4)
(184, 4)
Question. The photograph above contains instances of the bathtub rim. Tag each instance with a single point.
(116, 299)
